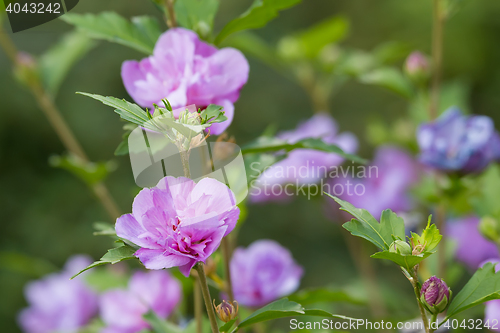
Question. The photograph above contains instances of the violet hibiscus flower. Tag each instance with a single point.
(122, 310)
(455, 142)
(186, 71)
(179, 222)
(472, 248)
(58, 304)
(303, 166)
(263, 272)
(385, 184)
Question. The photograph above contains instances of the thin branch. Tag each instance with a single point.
(437, 56)
(60, 126)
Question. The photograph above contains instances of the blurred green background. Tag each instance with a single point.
(47, 213)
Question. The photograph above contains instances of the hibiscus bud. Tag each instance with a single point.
(417, 67)
(400, 247)
(226, 311)
(435, 295)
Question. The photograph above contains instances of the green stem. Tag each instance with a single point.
(414, 282)
(185, 162)
(226, 252)
(206, 296)
(198, 307)
(60, 126)
(171, 19)
(437, 56)
(433, 320)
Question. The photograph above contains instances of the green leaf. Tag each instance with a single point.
(55, 63)
(268, 145)
(483, 286)
(278, 309)
(318, 295)
(392, 227)
(408, 261)
(113, 256)
(364, 225)
(227, 326)
(141, 34)
(197, 15)
(89, 172)
(430, 237)
(314, 39)
(128, 111)
(160, 325)
(213, 114)
(257, 16)
(389, 78)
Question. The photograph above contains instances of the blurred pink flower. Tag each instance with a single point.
(179, 222)
(186, 70)
(122, 310)
(58, 304)
(263, 272)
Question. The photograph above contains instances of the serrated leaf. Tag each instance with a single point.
(56, 62)
(317, 295)
(389, 78)
(197, 15)
(128, 111)
(363, 225)
(391, 226)
(257, 16)
(89, 172)
(213, 114)
(408, 261)
(141, 34)
(430, 237)
(483, 286)
(113, 256)
(268, 145)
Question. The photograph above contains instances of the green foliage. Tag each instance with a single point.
(265, 144)
(159, 325)
(227, 326)
(197, 15)
(327, 295)
(257, 16)
(278, 309)
(212, 114)
(405, 261)
(430, 237)
(483, 286)
(284, 308)
(389, 78)
(140, 34)
(366, 226)
(390, 229)
(89, 172)
(55, 63)
(311, 41)
(113, 256)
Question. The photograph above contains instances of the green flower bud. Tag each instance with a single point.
(400, 247)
